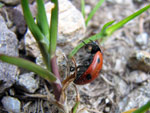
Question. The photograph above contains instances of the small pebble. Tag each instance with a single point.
(11, 104)
(28, 82)
(87, 9)
(142, 39)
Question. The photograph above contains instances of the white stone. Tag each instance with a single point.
(11, 104)
(142, 39)
(71, 23)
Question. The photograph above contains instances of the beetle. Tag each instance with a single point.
(91, 66)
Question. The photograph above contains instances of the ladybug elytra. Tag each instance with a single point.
(91, 66)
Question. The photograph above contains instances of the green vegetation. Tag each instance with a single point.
(46, 38)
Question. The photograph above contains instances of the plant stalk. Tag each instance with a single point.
(57, 87)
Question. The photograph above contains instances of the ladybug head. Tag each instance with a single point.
(92, 48)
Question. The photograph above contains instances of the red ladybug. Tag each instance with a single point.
(91, 66)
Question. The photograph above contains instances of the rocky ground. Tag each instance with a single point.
(124, 81)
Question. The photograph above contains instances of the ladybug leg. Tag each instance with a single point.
(72, 76)
(92, 41)
(83, 42)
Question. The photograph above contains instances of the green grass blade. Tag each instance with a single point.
(120, 24)
(74, 110)
(93, 11)
(143, 109)
(29, 66)
(106, 26)
(54, 28)
(30, 21)
(42, 21)
(83, 8)
(42, 41)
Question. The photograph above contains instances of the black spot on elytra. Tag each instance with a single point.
(88, 77)
(98, 60)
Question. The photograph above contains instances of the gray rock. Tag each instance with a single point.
(17, 19)
(142, 39)
(71, 24)
(136, 98)
(31, 45)
(28, 83)
(140, 60)
(11, 104)
(14, 19)
(8, 45)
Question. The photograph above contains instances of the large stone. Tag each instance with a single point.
(14, 19)
(8, 45)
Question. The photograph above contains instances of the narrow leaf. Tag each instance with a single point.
(29, 66)
(42, 21)
(42, 41)
(30, 21)
(53, 28)
(130, 111)
(83, 8)
(143, 109)
(93, 11)
(106, 26)
(120, 24)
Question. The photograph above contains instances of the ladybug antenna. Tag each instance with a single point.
(83, 42)
(93, 41)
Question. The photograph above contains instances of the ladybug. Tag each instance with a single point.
(90, 68)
